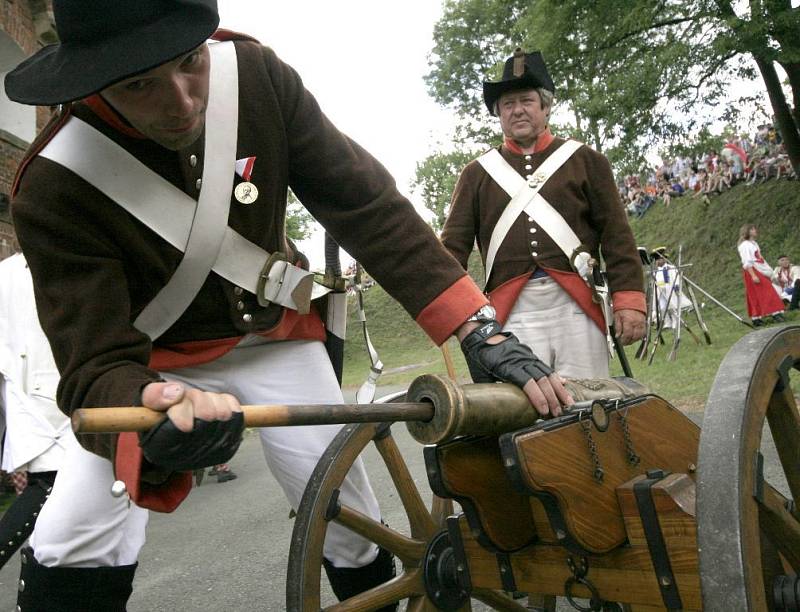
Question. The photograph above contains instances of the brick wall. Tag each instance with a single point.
(16, 18)
(11, 150)
(19, 20)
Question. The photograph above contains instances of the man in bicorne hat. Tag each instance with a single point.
(151, 211)
(542, 209)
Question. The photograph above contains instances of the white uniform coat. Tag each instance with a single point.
(33, 422)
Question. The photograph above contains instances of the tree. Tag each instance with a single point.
(435, 178)
(633, 73)
(299, 221)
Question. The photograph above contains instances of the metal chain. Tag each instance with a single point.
(586, 426)
(633, 458)
(579, 577)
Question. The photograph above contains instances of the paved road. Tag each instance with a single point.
(225, 548)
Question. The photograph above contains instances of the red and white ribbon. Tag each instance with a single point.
(244, 167)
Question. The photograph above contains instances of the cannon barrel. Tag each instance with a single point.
(490, 408)
(436, 410)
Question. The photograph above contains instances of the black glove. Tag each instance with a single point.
(209, 443)
(508, 361)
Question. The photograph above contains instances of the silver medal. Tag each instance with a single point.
(246, 192)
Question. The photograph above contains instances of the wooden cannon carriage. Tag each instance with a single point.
(623, 499)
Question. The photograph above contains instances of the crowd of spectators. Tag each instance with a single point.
(740, 160)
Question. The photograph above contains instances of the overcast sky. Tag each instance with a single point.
(364, 61)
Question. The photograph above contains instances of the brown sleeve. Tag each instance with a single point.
(353, 196)
(461, 226)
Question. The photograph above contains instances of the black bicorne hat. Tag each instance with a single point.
(659, 253)
(521, 71)
(105, 41)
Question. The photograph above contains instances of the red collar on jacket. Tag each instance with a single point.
(107, 113)
(542, 142)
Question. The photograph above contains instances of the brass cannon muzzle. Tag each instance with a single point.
(490, 408)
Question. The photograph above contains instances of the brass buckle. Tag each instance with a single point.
(263, 276)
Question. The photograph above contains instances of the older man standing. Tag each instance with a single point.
(543, 209)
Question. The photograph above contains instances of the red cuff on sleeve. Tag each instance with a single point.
(128, 467)
(445, 314)
(629, 300)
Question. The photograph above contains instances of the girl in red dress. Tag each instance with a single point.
(762, 298)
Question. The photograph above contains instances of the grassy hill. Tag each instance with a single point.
(708, 233)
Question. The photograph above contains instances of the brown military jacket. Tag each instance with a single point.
(582, 191)
(95, 267)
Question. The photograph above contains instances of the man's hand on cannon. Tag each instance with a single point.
(203, 428)
(629, 325)
(493, 355)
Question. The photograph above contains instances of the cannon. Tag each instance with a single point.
(622, 502)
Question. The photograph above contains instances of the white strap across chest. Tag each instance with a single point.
(197, 228)
(211, 212)
(525, 198)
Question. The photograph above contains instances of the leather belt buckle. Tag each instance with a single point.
(269, 283)
(280, 282)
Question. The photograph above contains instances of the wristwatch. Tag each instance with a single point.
(486, 313)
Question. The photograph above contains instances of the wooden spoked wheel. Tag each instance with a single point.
(410, 549)
(748, 525)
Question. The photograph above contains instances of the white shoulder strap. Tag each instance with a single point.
(211, 213)
(501, 171)
(525, 198)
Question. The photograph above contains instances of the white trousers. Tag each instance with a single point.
(549, 321)
(82, 525)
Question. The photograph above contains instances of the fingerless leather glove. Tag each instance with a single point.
(508, 361)
(209, 443)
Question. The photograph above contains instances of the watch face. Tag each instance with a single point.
(487, 312)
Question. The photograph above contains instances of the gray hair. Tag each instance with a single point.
(545, 98)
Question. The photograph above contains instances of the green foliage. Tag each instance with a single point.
(698, 146)
(434, 180)
(630, 74)
(299, 221)
(468, 36)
